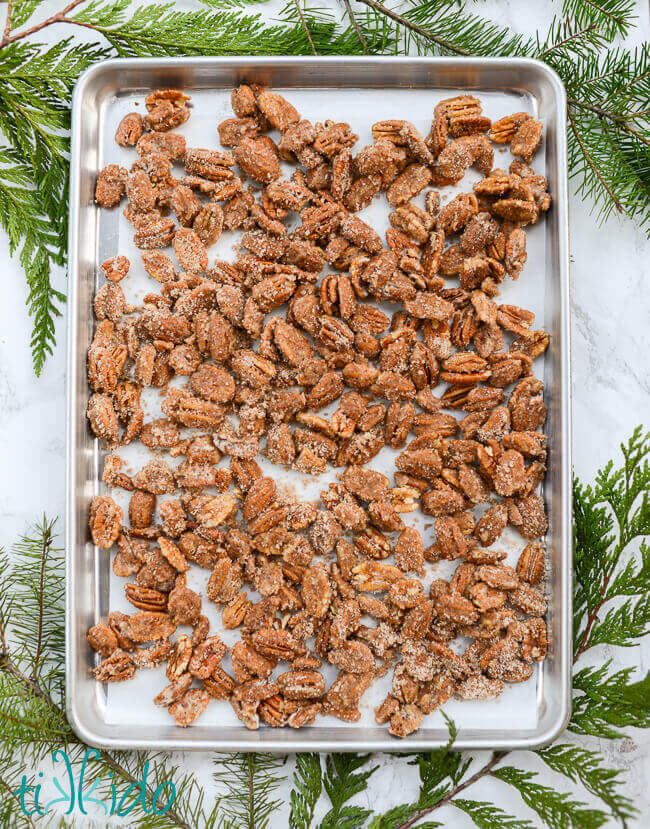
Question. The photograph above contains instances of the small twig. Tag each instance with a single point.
(304, 25)
(590, 161)
(449, 798)
(603, 113)
(426, 33)
(7, 788)
(59, 17)
(566, 40)
(357, 29)
(251, 791)
(603, 11)
(47, 543)
(7, 30)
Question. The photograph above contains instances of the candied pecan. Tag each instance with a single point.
(316, 590)
(455, 215)
(117, 667)
(526, 139)
(466, 151)
(300, 685)
(225, 581)
(492, 524)
(129, 130)
(333, 137)
(102, 639)
(408, 184)
(531, 565)
(105, 520)
(111, 185)
(174, 691)
(103, 418)
(154, 233)
(170, 144)
(257, 159)
(189, 707)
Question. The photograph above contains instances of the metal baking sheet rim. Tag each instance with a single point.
(467, 73)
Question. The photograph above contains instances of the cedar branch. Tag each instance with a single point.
(449, 798)
(7, 30)
(59, 17)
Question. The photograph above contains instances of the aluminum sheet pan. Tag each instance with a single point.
(360, 91)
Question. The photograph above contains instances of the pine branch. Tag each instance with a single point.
(444, 44)
(249, 781)
(613, 17)
(357, 28)
(32, 690)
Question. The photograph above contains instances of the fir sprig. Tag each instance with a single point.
(248, 782)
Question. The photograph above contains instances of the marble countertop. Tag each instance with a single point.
(610, 306)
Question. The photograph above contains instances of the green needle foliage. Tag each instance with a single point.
(608, 89)
(248, 782)
(611, 535)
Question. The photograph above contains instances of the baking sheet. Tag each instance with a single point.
(121, 706)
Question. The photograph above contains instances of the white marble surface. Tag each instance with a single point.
(610, 343)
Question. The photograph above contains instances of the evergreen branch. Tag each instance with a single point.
(342, 783)
(37, 241)
(7, 28)
(34, 688)
(607, 702)
(581, 765)
(46, 545)
(249, 781)
(613, 17)
(307, 788)
(59, 17)
(460, 787)
(31, 683)
(619, 491)
(304, 25)
(353, 20)
(557, 810)
(444, 44)
(623, 625)
(489, 816)
(592, 166)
